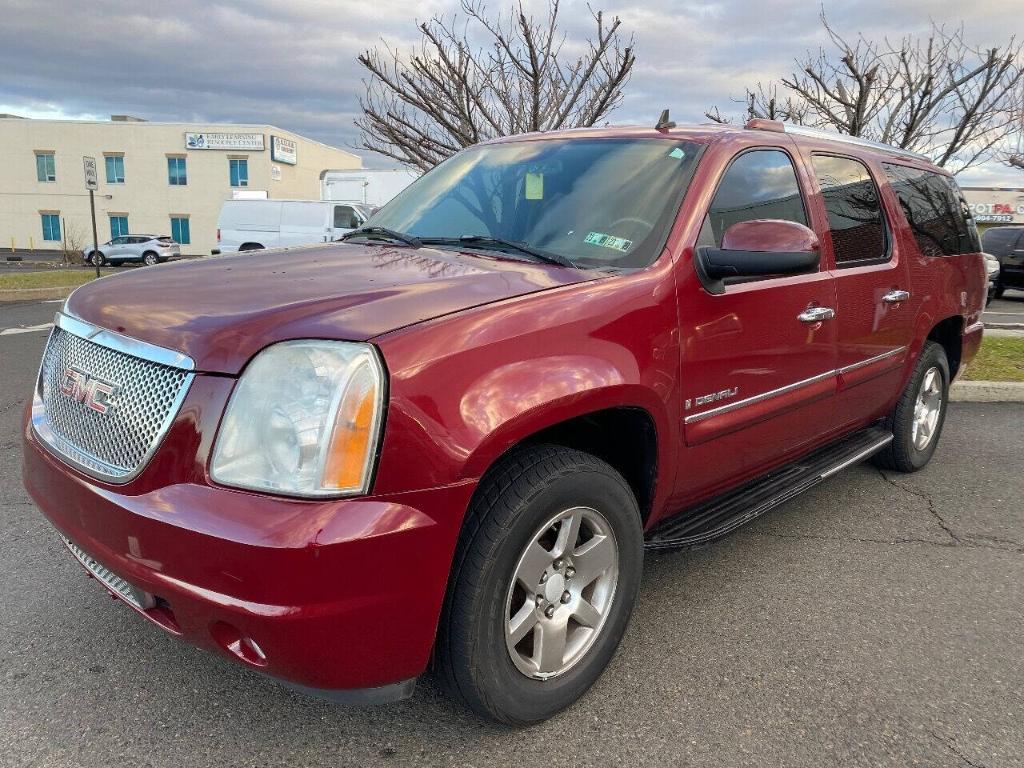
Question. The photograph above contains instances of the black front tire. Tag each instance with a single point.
(523, 490)
(97, 259)
(902, 455)
(1000, 290)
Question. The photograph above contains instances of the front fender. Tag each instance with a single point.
(466, 388)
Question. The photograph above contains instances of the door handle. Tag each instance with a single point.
(816, 314)
(896, 296)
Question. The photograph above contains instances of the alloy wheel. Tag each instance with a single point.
(927, 409)
(561, 592)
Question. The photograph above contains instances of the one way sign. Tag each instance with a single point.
(91, 179)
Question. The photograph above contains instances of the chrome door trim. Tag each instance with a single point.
(870, 360)
(758, 398)
(120, 343)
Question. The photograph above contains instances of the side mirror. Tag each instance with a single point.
(758, 248)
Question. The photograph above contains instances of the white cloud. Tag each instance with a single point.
(293, 62)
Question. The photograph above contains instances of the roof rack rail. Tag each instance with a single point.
(817, 133)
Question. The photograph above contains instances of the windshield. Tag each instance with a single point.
(595, 202)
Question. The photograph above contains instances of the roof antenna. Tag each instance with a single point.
(663, 122)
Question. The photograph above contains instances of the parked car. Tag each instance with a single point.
(453, 436)
(992, 270)
(1007, 245)
(149, 249)
(252, 225)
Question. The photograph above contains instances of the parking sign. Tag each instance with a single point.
(91, 179)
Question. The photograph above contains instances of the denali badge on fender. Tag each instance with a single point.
(712, 397)
(88, 389)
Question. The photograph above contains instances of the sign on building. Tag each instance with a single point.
(91, 177)
(996, 206)
(246, 141)
(283, 150)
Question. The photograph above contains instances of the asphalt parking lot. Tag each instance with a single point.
(875, 621)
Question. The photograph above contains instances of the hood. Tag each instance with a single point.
(221, 311)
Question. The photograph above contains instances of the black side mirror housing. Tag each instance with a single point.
(758, 248)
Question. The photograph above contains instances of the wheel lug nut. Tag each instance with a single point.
(543, 577)
(566, 597)
(540, 601)
(570, 572)
(558, 564)
(549, 611)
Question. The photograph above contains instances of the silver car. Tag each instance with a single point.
(149, 249)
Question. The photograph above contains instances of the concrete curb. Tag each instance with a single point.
(987, 392)
(1005, 326)
(35, 294)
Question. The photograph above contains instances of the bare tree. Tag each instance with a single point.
(938, 95)
(493, 76)
(72, 243)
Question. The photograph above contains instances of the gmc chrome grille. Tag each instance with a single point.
(101, 408)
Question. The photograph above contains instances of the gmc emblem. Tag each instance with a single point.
(85, 388)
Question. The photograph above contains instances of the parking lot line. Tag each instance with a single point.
(26, 329)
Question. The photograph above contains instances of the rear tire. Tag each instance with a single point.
(916, 421)
(1000, 290)
(150, 259)
(502, 607)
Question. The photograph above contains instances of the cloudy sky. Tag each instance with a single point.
(293, 62)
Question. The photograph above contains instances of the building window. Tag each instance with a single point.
(51, 225)
(46, 166)
(239, 172)
(176, 173)
(118, 226)
(115, 169)
(179, 230)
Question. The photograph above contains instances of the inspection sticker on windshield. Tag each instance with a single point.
(534, 186)
(677, 153)
(607, 241)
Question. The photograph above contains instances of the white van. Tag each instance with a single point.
(249, 225)
(367, 186)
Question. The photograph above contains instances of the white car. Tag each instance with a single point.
(251, 225)
(149, 249)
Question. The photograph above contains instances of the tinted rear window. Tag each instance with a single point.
(936, 211)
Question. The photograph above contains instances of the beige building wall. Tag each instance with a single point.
(146, 196)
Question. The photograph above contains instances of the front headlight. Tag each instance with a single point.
(303, 420)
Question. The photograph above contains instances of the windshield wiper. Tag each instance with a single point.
(500, 242)
(390, 234)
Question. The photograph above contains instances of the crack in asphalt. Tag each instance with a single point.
(950, 744)
(927, 499)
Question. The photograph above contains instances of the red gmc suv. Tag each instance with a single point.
(448, 440)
